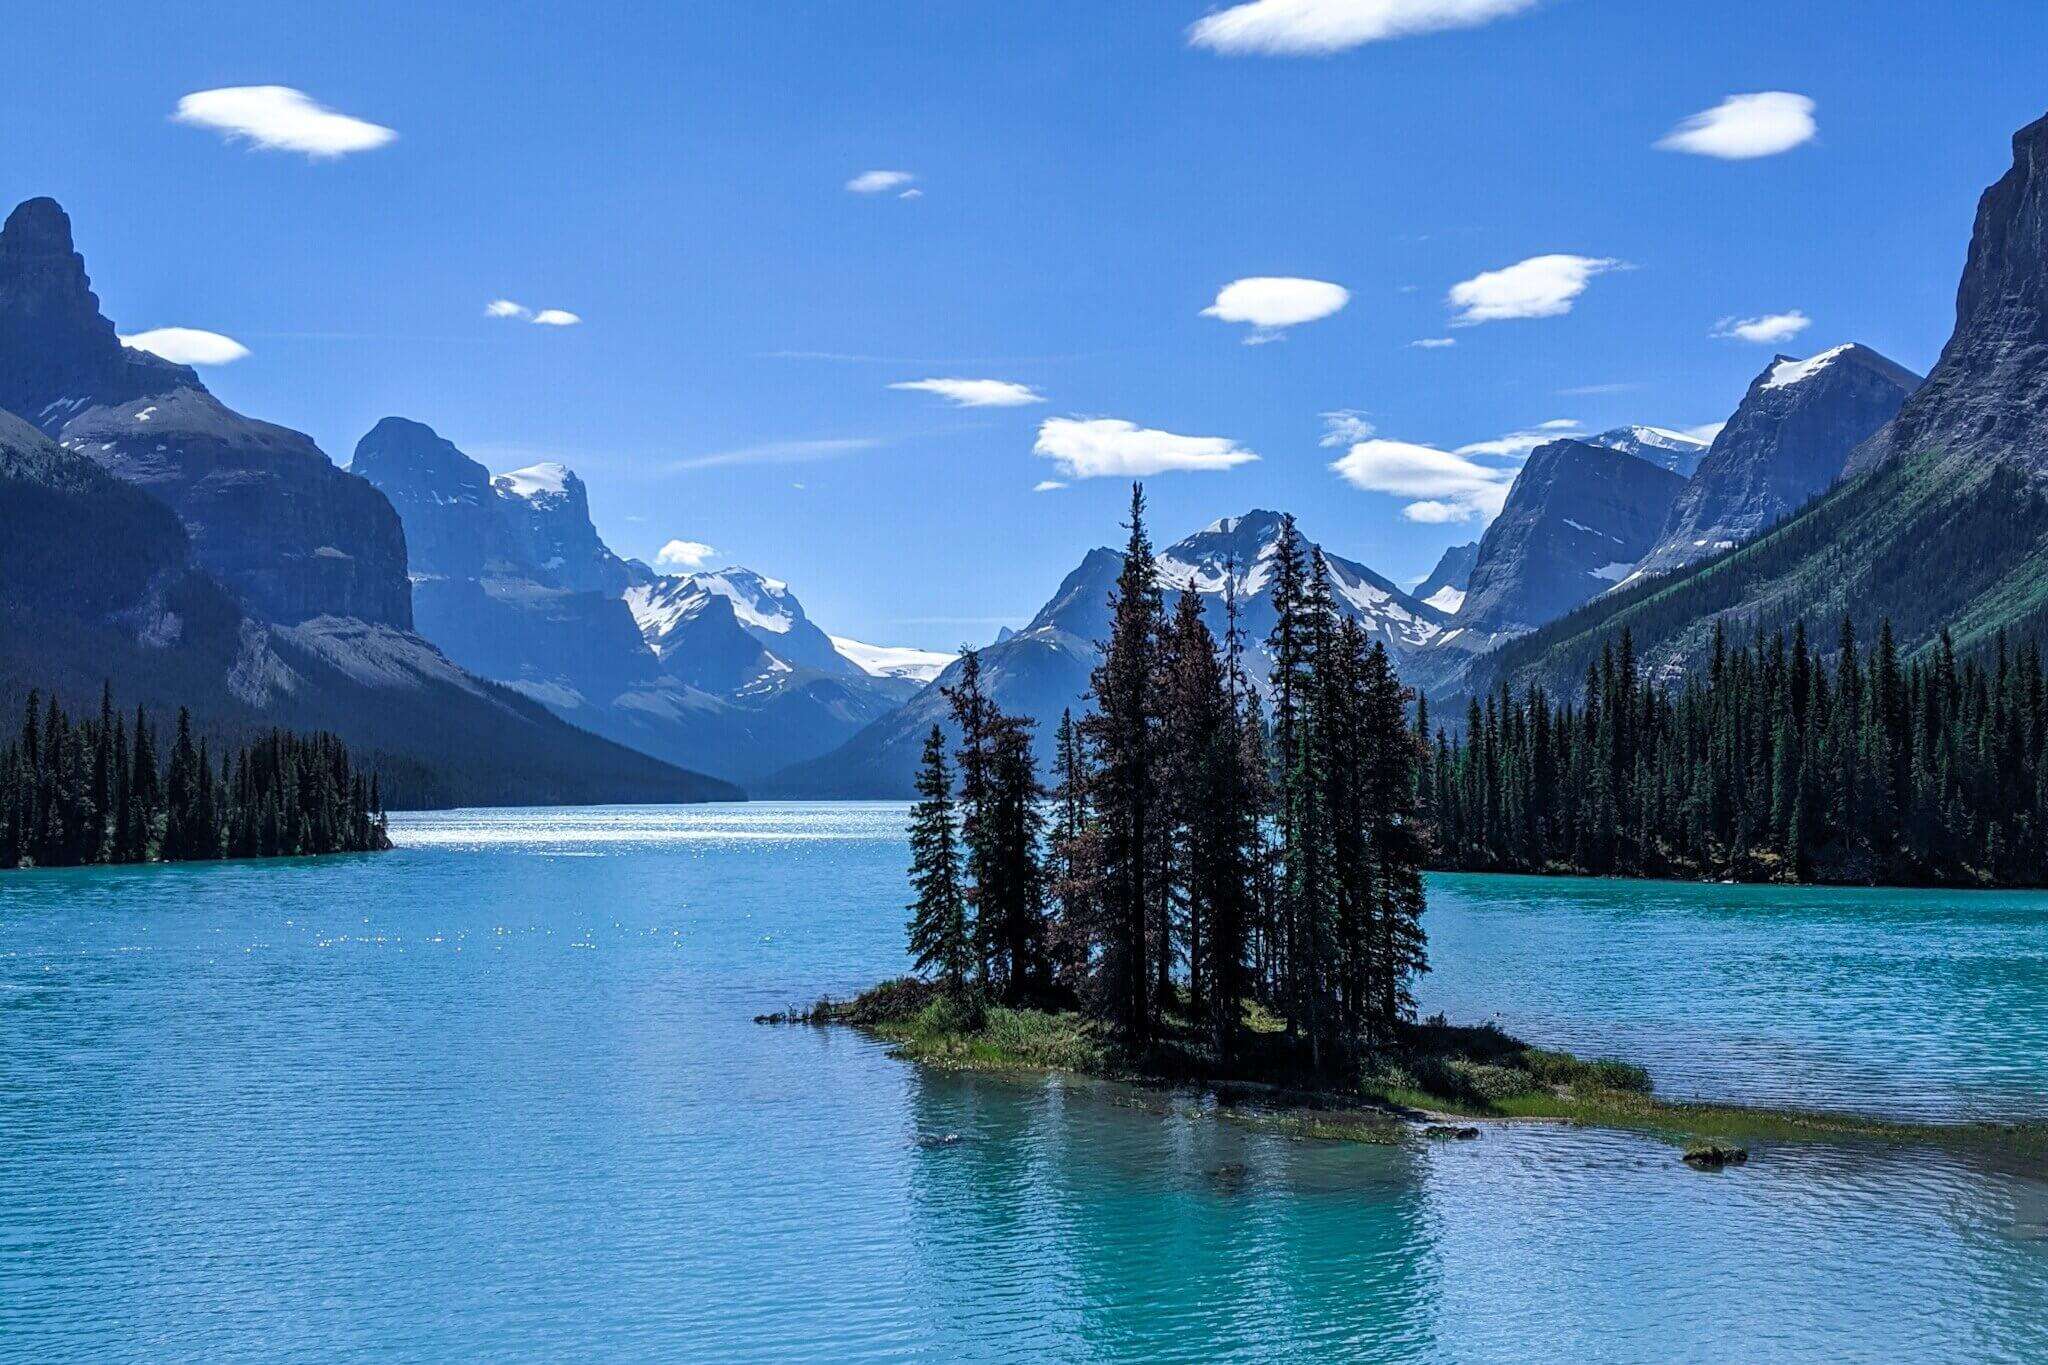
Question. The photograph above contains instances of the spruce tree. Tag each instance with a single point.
(941, 941)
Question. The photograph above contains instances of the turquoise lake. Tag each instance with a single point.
(499, 1094)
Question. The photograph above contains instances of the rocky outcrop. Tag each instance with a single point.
(1786, 444)
(1576, 521)
(1987, 398)
(269, 515)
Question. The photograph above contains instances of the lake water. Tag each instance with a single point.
(498, 1094)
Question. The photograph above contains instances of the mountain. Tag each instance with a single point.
(268, 514)
(1786, 444)
(1940, 521)
(719, 672)
(1045, 668)
(98, 584)
(1672, 450)
(1576, 521)
(1445, 587)
(155, 540)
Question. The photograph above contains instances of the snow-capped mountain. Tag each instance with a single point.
(720, 671)
(672, 610)
(1786, 444)
(1044, 668)
(1676, 451)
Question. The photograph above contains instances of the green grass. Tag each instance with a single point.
(1433, 1070)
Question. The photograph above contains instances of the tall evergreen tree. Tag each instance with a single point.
(941, 940)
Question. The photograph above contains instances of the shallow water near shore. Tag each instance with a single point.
(498, 1092)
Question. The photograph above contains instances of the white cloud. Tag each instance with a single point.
(545, 317)
(1292, 28)
(1512, 446)
(683, 554)
(1448, 486)
(1047, 486)
(281, 119)
(876, 182)
(1273, 303)
(1705, 431)
(975, 393)
(1540, 287)
(1433, 343)
(1346, 426)
(1743, 127)
(912, 193)
(1084, 448)
(1768, 330)
(1561, 424)
(187, 345)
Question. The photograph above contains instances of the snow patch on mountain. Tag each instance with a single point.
(1446, 600)
(547, 479)
(893, 661)
(1788, 372)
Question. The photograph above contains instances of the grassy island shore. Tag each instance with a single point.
(1428, 1081)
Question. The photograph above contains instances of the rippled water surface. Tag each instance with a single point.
(498, 1094)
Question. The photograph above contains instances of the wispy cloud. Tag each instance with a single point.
(683, 554)
(1768, 330)
(975, 393)
(187, 345)
(556, 317)
(505, 308)
(1515, 444)
(1540, 287)
(1598, 390)
(1743, 127)
(1293, 28)
(1345, 426)
(881, 182)
(1446, 486)
(780, 452)
(1705, 431)
(1102, 447)
(1047, 486)
(1432, 343)
(1273, 303)
(279, 118)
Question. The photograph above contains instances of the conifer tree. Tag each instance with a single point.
(941, 940)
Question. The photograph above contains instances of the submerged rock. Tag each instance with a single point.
(1715, 1158)
(1445, 1132)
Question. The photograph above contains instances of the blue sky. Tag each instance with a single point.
(1090, 178)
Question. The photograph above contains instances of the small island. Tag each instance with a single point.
(1211, 897)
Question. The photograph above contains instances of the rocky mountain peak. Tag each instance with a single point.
(58, 355)
(1987, 398)
(1786, 444)
(399, 452)
(1576, 521)
(39, 228)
